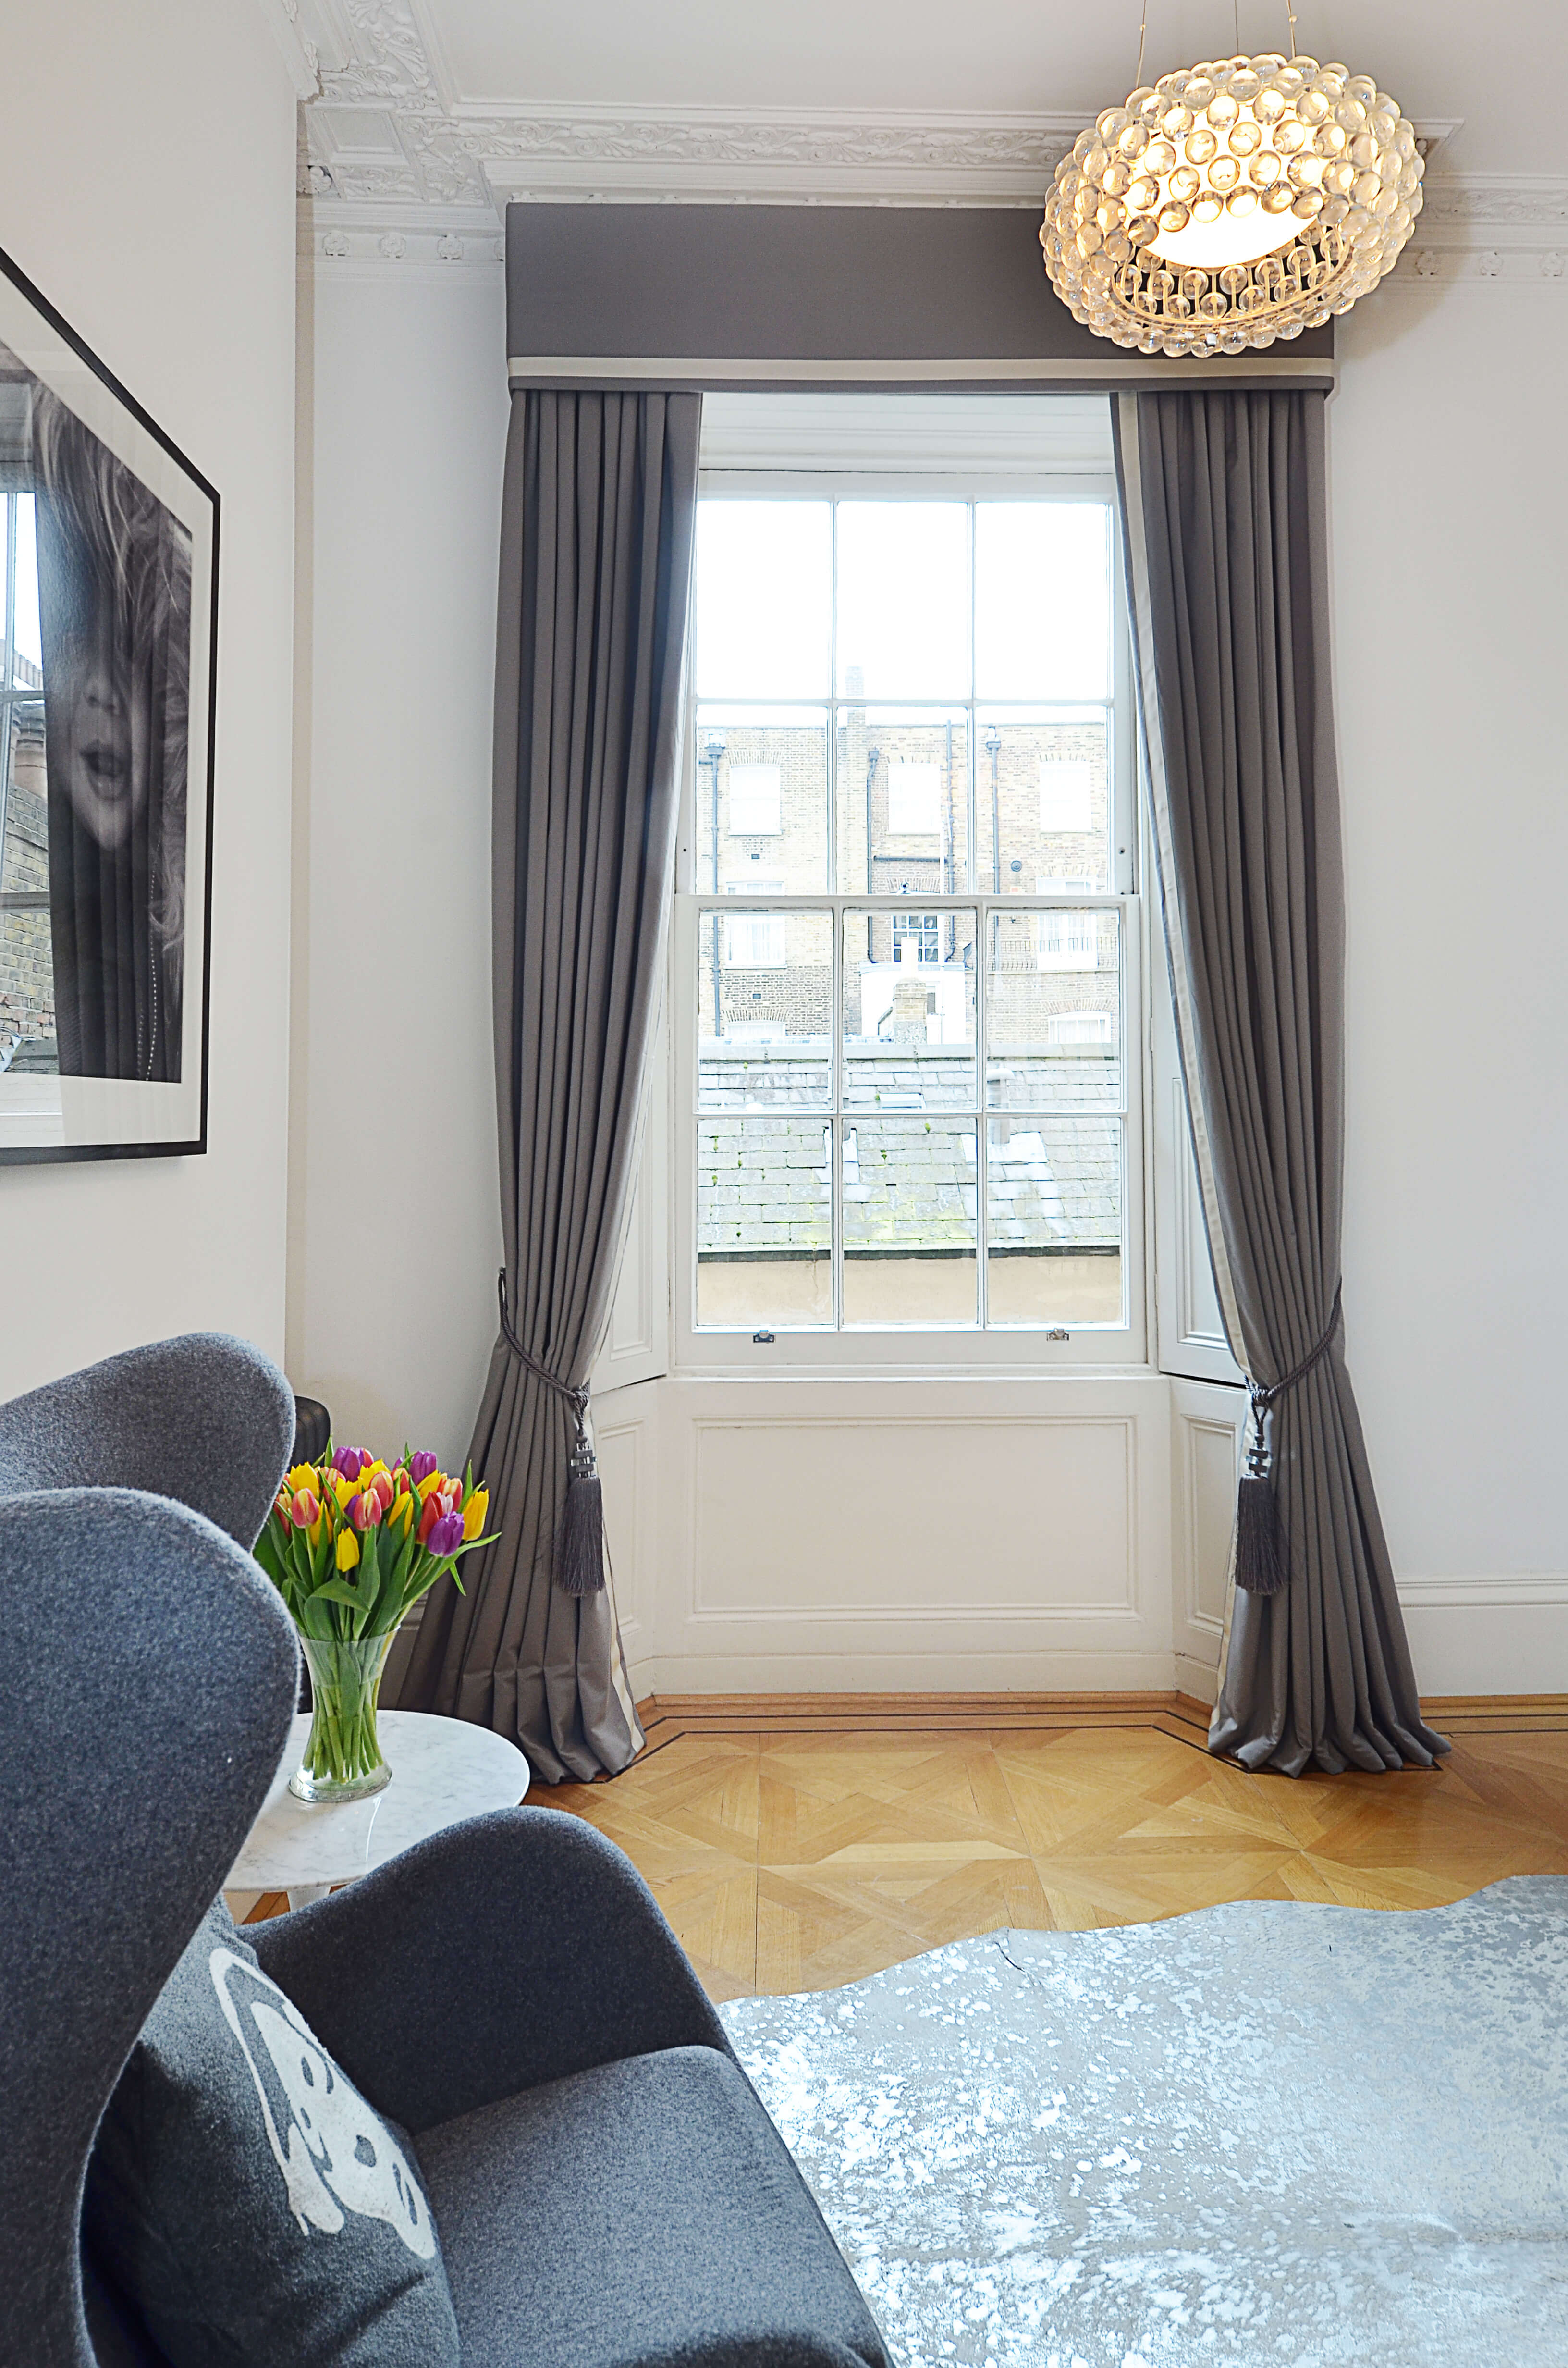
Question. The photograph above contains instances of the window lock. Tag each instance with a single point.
(765, 1339)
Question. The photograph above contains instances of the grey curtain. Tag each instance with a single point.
(597, 533)
(1225, 523)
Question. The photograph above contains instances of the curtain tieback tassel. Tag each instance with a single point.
(1263, 1551)
(581, 1551)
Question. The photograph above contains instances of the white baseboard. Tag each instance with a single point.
(1500, 1635)
(1199, 1678)
(874, 1673)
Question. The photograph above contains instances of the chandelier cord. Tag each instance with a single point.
(1143, 36)
(1290, 12)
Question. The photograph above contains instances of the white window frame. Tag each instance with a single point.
(917, 1350)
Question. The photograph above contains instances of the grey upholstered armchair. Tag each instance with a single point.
(609, 2189)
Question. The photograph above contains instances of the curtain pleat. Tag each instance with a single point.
(1224, 517)
(598, 523)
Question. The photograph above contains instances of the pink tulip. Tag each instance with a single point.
(365, 1511)
(304, 1510)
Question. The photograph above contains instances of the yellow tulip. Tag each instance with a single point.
(305, 1475)
(348, 1550)
(474, 1511)
(402, 1510)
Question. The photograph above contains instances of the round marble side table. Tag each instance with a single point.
(443, 1770)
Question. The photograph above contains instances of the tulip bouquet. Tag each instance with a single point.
(351, 1545)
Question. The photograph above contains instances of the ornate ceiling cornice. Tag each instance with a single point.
(395, 168)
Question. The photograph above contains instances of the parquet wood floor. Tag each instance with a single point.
(791, 1849)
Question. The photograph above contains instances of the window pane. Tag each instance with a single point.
(1042, 801)
(1053, 1214)
(909, 1220)
(903, 599)
(765, 1010)
(29, 1044)
(1042, 600)
(902, 801)
(762, 799)
(763, 1221)
(909, 1010)
(1053, 993)
(764, 599)
(26, 634)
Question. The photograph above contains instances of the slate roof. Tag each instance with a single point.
(764, 1178)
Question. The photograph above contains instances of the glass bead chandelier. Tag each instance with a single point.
(1232, 203)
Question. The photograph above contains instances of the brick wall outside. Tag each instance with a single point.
(26, 970)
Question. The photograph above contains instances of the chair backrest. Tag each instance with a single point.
(206, 1419)
(151, 1676)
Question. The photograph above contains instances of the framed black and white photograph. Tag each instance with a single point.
(108, 587)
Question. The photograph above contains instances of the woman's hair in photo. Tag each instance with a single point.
(133, 578)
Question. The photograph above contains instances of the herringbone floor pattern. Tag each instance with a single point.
(800, 1860)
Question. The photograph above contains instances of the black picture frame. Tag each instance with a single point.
(126, 559)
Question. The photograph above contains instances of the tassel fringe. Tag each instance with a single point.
(1263, 1561)
(580, 1547)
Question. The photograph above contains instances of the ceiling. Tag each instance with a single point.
(472, 101)
(1000, 56)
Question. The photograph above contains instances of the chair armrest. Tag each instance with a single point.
(205, 1419)
(503, 1953)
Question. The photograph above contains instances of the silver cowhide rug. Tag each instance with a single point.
(1258, 2134)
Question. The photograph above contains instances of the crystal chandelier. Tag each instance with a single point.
(1232, 203)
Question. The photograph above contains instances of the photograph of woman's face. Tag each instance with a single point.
(105, 736)
(108, 551)
(114, 599)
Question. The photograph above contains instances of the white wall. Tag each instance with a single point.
(146, 174)
(1450, 522)
(394, 1226)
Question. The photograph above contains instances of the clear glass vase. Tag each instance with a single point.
(342, 1758)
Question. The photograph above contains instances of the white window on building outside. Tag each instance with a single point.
(915, 801)
(1078, 1028)
(755, 801)
(756, 941)
(903, 1065)
(1066, 796)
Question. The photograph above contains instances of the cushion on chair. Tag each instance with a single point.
(644, 2213)
(246, 2200)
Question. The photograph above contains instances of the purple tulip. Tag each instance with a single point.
(350, 1461)
(447, 1536)
(421, 1465)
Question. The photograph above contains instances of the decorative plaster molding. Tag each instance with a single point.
(345, 239)
(298, 51)
(385, 131)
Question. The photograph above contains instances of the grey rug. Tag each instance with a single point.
(1265, 2133)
